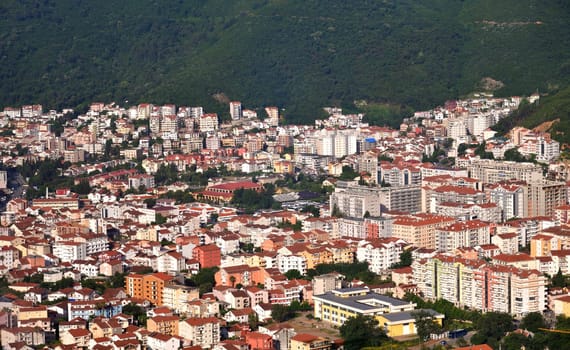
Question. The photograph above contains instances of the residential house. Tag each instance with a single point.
(239, 315)
(158, 341)
(204, 332)
(110, 268)
(237, 299)
(77, 337)
(304, 341)
(259, 341)
(164, 324)
(30, 336)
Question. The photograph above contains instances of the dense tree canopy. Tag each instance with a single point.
(492, 327)
(146, 51)
(252, 200)
(425, 324)
(533, 321)
(280, 312)
(361, 331)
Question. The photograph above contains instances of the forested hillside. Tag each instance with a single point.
(555, 107)
(297, 54)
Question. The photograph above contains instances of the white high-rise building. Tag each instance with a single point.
(272, 116)
(235, 110)
(480, 123)
(208, 122)
(332, 143)
(340, 145)
(327, 144)
(3, 179)
(456, 128)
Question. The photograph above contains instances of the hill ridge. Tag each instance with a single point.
(299, 55)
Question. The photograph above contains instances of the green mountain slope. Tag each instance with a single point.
(555, 107)
(296, 54)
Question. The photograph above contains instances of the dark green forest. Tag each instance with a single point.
(298, 55)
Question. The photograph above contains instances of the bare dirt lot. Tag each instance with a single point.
(311, 326)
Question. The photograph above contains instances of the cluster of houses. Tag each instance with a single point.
(483, 234)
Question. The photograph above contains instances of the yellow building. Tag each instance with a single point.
(562, 306)
(254, 260)
(395, 316)
(543, 245)
(316, 256)
(147, 234)
(30, 313)
(341, 253)
(283, 166)
(399, 324)
(303, 341)
(340, 304)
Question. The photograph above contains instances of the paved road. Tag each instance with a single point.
(16, 187)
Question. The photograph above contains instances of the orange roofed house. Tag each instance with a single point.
(163, 324)
(149, 287)
(305, 341)
(225, 191)
(231, 276)
(259, 341)
(208, 255)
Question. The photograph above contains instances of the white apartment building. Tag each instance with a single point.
(169, 262)
(93, 243)
(292, 262)
(70, 251)
(544, 148)
(453, 194)
(8, 256)
(169, 124)
(492, 171)
(368, 162)
(154, 123)
(213, 142)
(489, 212)
(3, 179)
(209, 122)
(235, 110)
(138, 180)
(204, 332)
(272, 116)
(511, 198)
(336, 143)
(462, 234)
(168, 109)
(399, 174)
(380, 254)
(478, 285)
(351, 227)
(406, 198)
(354, 201)
(456, 128)
(508, 243)
(177, 297)
(478, 124)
